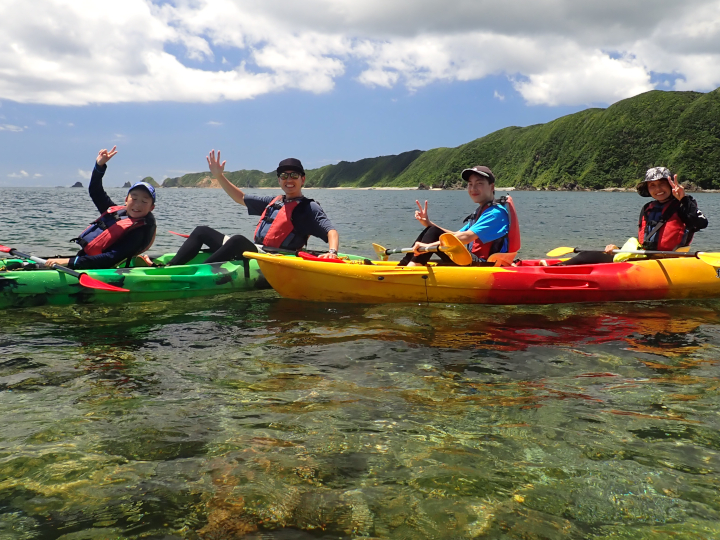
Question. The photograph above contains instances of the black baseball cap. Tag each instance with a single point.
(482, 170)
(290, 164)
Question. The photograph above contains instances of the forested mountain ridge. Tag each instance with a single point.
(593, 149)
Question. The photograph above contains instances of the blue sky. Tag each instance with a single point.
(338, 80)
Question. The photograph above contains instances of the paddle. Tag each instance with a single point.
(85, 280)
(713, 259)
(449, 244)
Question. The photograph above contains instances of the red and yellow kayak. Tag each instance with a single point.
(528, 283)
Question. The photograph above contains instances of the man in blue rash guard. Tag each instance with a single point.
(121, 231)
(486, 231)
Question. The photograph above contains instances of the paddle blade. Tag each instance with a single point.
(5, 249)
(455, 249)
(502, 259)
(179, 234)
(560, 251)
(713, 259)
(92, 283)
(381, 252)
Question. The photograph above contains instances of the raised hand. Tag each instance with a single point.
(216, 168)
(104, 156)
(421, 214)
(677, 190)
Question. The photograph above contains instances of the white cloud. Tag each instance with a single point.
(68, 52)
(21, 174)
(498, 95)
(84, 174)
(10, 127)
(37, 175)
(213, 123)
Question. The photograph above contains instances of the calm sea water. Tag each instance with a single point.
(258, 417)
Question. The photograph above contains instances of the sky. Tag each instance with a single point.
(320, 80)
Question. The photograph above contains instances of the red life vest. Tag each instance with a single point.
(670, 232)
(514, 243)
(112, 225)
(281, 233)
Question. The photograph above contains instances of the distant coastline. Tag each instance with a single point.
(497, 188)
(591, 150)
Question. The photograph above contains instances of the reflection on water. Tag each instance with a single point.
(257, 417)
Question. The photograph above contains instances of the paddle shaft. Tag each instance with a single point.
(410, 250)
(38, 260)
(648, 252)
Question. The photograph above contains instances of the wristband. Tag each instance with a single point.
(333, 251)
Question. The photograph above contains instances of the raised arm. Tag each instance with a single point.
(217, 169)
(97, 193)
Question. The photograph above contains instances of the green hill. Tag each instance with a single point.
(150, 180)
(594, 148)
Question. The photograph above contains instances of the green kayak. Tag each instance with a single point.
(23, 285)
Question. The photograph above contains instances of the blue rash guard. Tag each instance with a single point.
(307, 219)
(494, 223)
(129, 245)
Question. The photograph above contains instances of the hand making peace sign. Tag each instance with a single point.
(422, 214)
(677, 190)
(104, 156)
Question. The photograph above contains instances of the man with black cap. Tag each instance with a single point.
(486, 230)
(286, 221)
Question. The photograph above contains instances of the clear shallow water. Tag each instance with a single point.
(258, 417)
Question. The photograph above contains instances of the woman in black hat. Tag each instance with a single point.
(666, 223)
(286, 221)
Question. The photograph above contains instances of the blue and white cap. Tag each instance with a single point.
(147, 187)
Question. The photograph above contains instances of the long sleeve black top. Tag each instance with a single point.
(129, 245)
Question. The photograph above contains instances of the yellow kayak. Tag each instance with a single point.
(527, 283)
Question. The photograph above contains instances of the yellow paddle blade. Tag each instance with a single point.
(455, 249)
(713, 259)
(502, 259)
(559, 251)
(632, 244)
(381, 252)
(684, 249)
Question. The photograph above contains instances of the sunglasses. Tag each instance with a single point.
(285, 175)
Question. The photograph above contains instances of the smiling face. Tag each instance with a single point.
(480, 189)
(139, 203)
(659, 189)
(292, 187)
